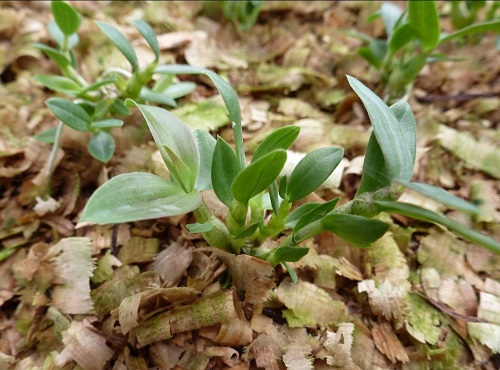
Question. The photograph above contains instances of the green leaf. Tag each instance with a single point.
(121, 43)
(149, 35)
(58, 36)
(281, 138)
(248, 231)
(107, 123)
(403, 113)
(489, 26)
(101, 146)
(96, 85)
(424, 19)
(282, 188)
(138, 196)
(422, 214)
(442, 196)
(59, 58)
(66, 17)
(356, 230)
(160, 98)
(48, 136)
(316, 213)
(258, 175)
(180, 89)
(291, 272)
(312, 171)
(119, 107)
(169, 131)
(391, 14)
(367, 53)
(206, 146)
(389, 133)
(287, 254)
(375, 175)
(294, 216)
(402, 36)
(200, 228)
(274, 196)
(225, 167)
(61, 84)
(70, 114)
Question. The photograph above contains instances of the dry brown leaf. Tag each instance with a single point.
(172, 263)
(388, 343)
(339, 346)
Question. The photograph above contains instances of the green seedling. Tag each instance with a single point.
(466, 12)
(259, 202)
(95, 106)
(242, 14)
(412, 39)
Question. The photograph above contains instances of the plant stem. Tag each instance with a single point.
(218, 237)
(52, 156)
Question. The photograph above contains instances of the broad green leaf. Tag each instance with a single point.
(58, 36)
(101, 146)
(489, 26)
(70, 114)
(424, 19)
(312, 171)
(57, 83)
(47, 136)
(159, 98)
(66, 17)
(281, 138)
(406, 119)
(423, 214)
(206, 146)
(258, 175)
(200, 228)
(401, 37)
(149, 35)
(225, 167)
(379, 49)
(59, 58)
(287, 254)
(138, 196)
(180, 89)
(316, 213)
(107, 123)
(389, 133)
(390, 14)
(367, 53)
(228, 95)
(119, 107)
(374, 175)
(442, 196)
(179, 170)
(294, 216)
(121, 43)
(356, 230)
(170, 131)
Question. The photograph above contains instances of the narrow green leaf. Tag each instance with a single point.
(107, 123)
(225, 167)
(179, 171)
(66, 17)
(57, 83)
(282, 187)
(47, 136)
(149, 35)
(375, 175)
(97, 85)
(258, 175)
(294, 216)
(58, 36)
(390, 14)
(367, 53)
(287, 254)
(312, 171)
(422, 214)
(489, 26)
(424, 19)
(59, 58)
(402, 36)
(281, 138)
(247, 232)
(180, 89)
(356, 230)
(121, 43)
(388, 131)
(316, 213)
(101, 146)
(160, 98)
(379, 49)
(200, 228)
(273, 196)
(206, 146)
(403, 113)
(442, 196)
(291, 272)
(119, 107)
(170, 131)
(138, 196)
(70, 113)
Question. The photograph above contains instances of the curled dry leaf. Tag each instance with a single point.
(388, 343)
(172, 263)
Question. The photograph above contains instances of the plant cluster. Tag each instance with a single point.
(412, 39)
(242, 14)
(94, 106)
(259, 202)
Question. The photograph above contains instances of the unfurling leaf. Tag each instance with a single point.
(312, 171)
(138, 196)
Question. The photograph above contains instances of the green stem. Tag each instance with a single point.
(218, 237)
(52, 156)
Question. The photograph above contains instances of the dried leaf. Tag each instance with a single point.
(489, 308)
(172, 263)
(388, 343)
(339, 346)
(139, 250)
(485, 333)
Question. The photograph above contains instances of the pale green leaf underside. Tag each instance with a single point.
(138, 196)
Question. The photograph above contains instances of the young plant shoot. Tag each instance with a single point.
(197, 162)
